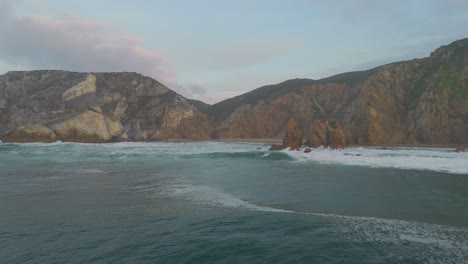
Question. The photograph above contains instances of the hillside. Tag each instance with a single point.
(423, 101)
(94, 107)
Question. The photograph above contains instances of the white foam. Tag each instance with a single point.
(441, 160)
(433, 159)
(447, 243)
(211, 196)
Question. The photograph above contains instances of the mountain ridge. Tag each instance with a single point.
(419, 101)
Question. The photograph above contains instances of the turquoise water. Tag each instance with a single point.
(230, 203)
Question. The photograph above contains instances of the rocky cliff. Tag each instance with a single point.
(423, 101)
(94, 107)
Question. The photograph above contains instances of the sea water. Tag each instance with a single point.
(231, 203)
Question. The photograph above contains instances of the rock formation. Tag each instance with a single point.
(31, 133)
(460, 149)
(335, 136)
(317, 135)
(94, 107)
(293, 138)
(422, 101)
(329, 134)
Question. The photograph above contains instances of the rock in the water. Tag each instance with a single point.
(317, 136)
(276, 147)
(293, 138)
(32, 133)
(460, 149)
(307, 150)
(335, 136)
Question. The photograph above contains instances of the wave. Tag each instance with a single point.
(427, 159)
(431, 159)
(267, 155)
(445, 242)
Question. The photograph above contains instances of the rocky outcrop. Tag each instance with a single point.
(460, 149)
(94, 107)
(293, 138)
(31, 133)
(328, 134)
(317, 135)
(335, 136)
(90, 126)
(276, 147)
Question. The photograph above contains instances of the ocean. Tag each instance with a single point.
(213, 202)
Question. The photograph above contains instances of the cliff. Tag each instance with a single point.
(422, 101)
(94, 107)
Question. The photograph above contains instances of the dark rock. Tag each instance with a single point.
(460, 149)
(351, 154)
(276, 147)
(307, 150)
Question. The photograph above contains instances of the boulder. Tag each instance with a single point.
(335, 136)
(307, 150)
(276, 147)
(31, 133)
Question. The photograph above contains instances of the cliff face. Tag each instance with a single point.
(420, 101)
(94, 107)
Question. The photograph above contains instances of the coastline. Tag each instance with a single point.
(230, 140)
(269, 141)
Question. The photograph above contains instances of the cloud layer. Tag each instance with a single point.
(75, 44)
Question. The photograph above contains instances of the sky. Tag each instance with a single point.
(211, 50)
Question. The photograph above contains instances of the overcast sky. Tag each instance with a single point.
(212, 50)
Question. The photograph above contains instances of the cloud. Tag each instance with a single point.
(76, 44)
(196, 89)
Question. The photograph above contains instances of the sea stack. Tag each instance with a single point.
(293, 138)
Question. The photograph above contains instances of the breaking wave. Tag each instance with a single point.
(431, 159)
(428, 159)
(444, 242)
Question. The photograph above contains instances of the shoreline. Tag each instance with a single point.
(261, 141)
(227, 140)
